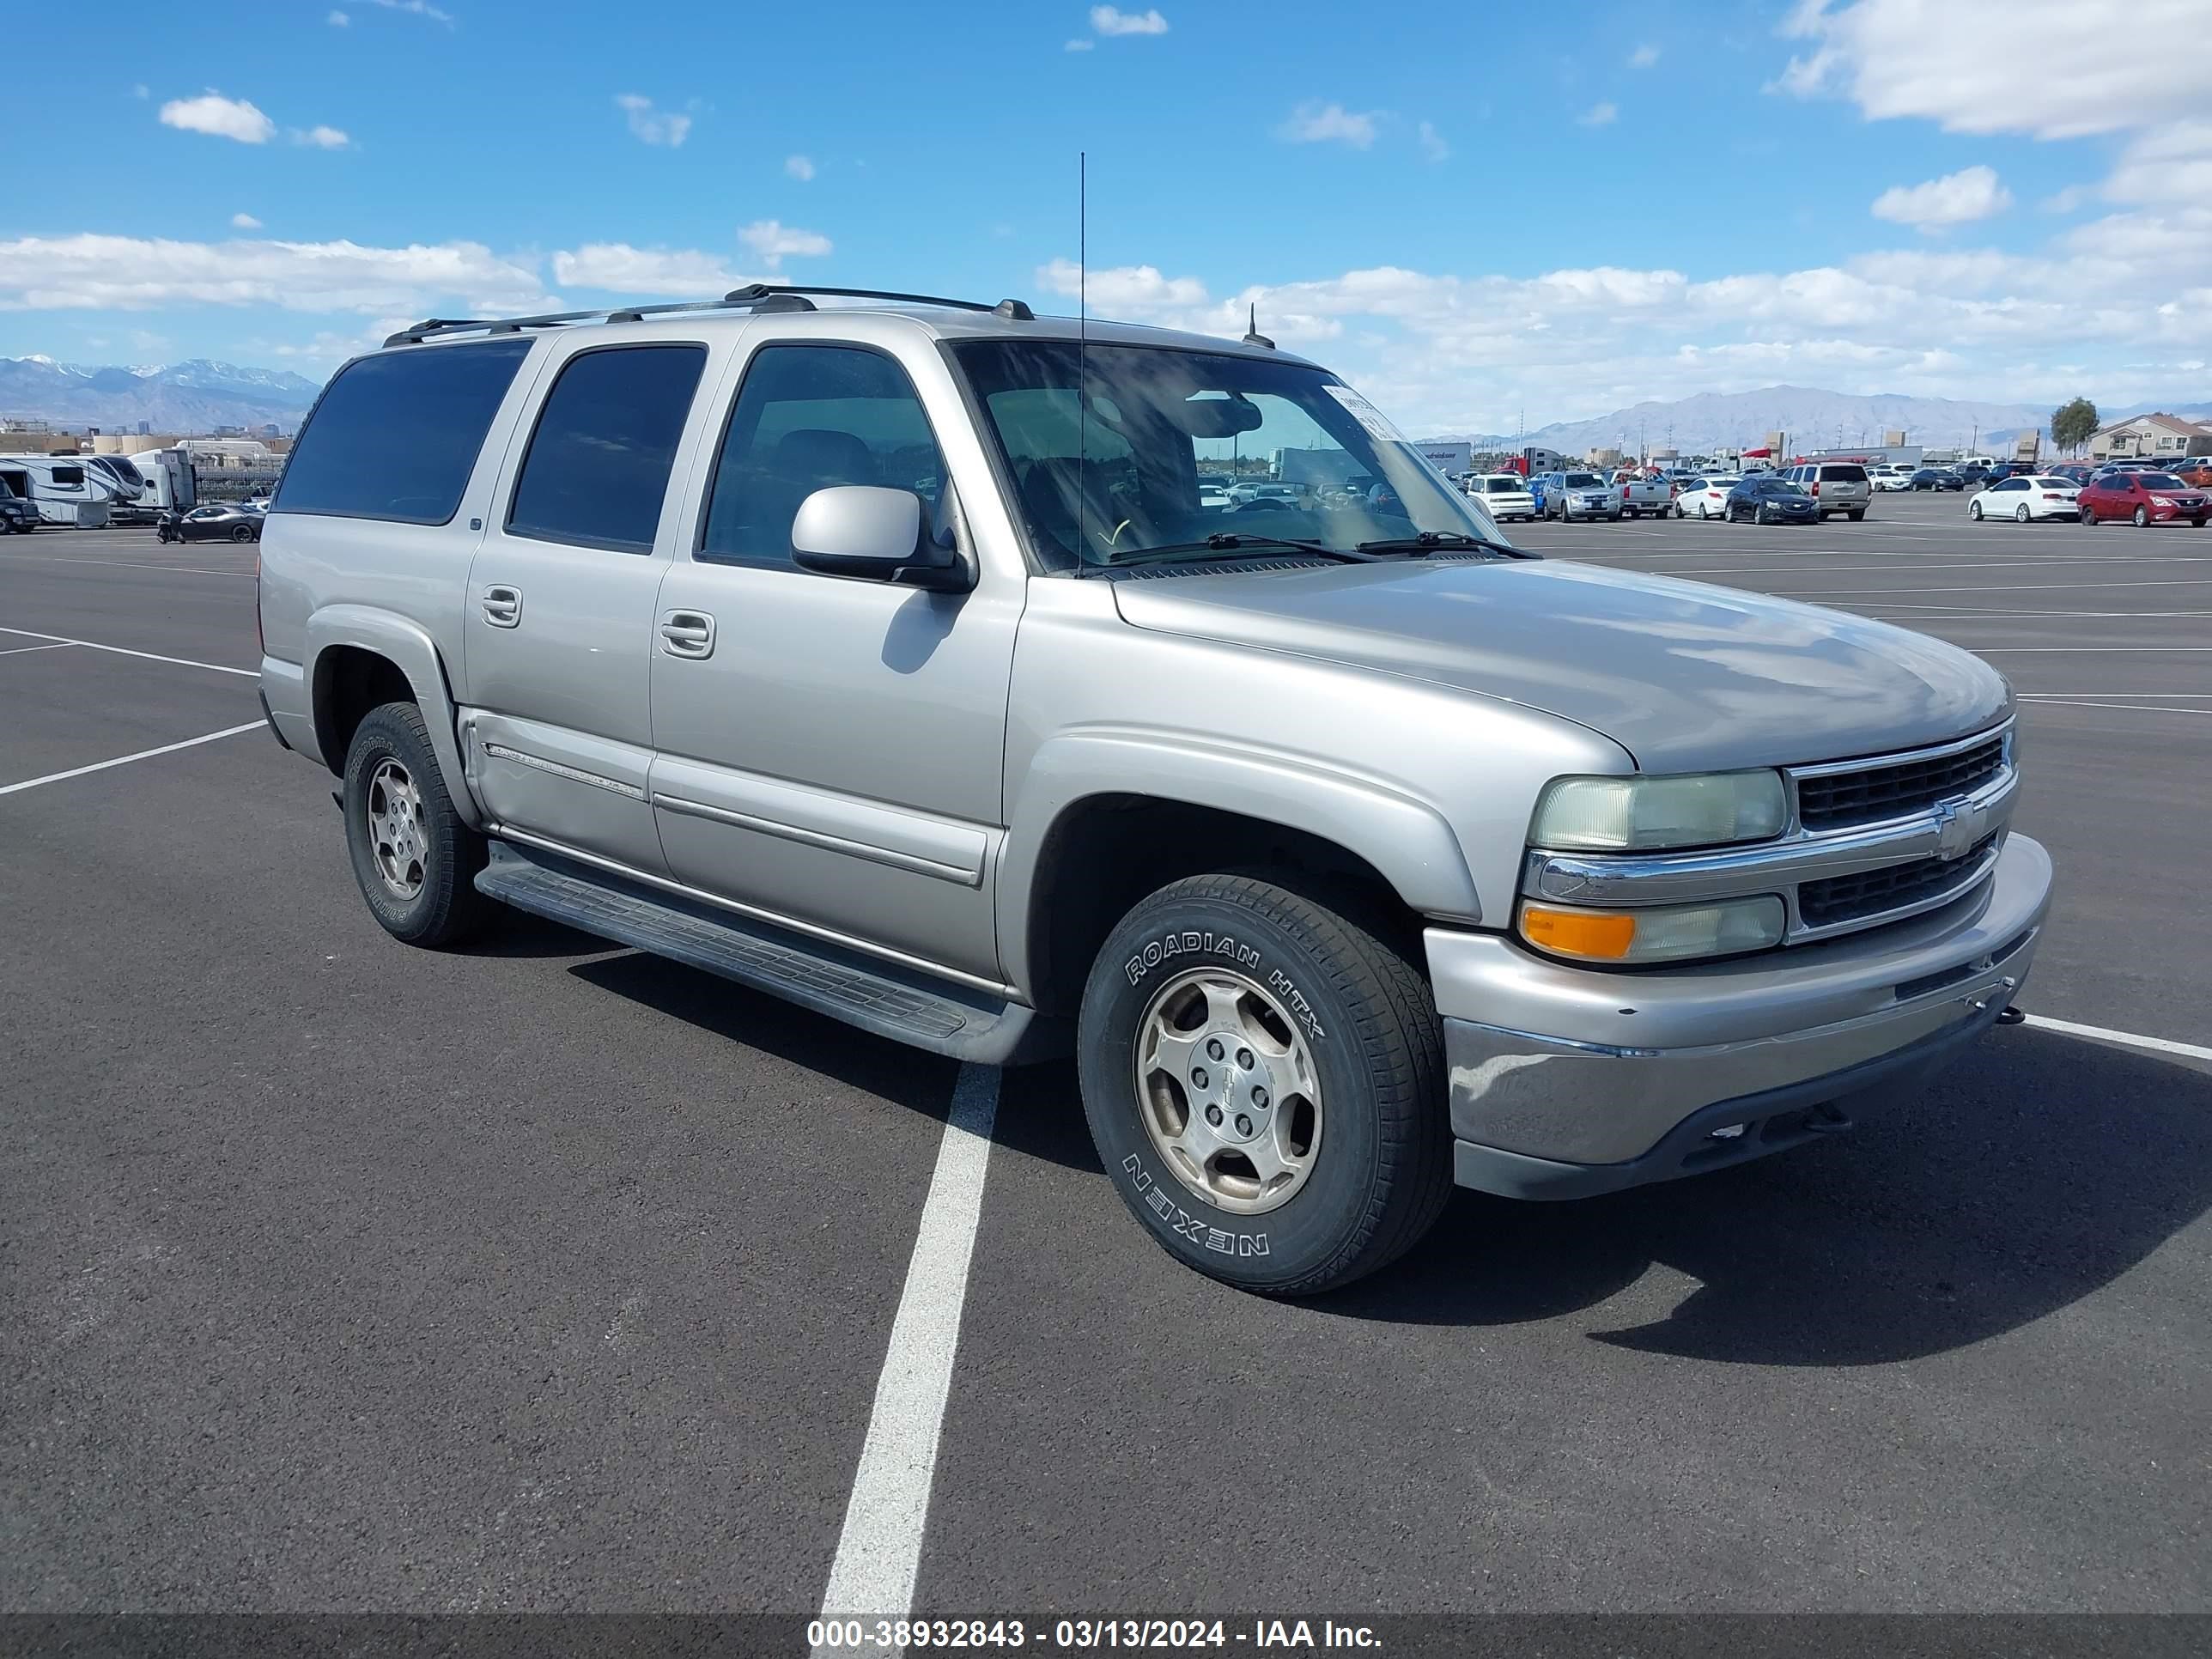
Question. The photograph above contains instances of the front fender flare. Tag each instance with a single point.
(1407, 839)
(409, 648)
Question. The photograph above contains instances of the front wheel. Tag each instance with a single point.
(2142, 517)
(415, 860)
(1263, 1077)
(1974, 511)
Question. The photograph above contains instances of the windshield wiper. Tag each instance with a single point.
(1445, 540)
(1224, 543)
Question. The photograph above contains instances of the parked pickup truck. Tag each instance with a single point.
(888, 658)
(1641, 496)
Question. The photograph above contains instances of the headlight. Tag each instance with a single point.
(2161, 500)
(1646, 814)
(1674, 933)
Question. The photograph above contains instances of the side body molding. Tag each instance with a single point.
(1409, 841)
(412, 649)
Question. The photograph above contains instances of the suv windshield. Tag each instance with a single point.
(1102, 445)
(1584, 481)
(1504, 486)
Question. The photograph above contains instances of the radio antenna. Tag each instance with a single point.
(1082, 352)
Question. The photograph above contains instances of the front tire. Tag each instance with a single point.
(1316, 1047)
(2142, 517)
(1974, 511)
(415, 860)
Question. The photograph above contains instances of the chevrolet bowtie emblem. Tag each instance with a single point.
(1958, 827)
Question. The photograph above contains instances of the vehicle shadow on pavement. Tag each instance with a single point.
(517, 933)
(2038, 1169)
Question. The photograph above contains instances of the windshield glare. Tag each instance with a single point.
(1111, 473)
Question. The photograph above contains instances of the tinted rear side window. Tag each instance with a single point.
(597, 470)
(396, 436)
(1842, 475)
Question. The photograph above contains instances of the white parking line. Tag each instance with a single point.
(125, 651)
(2125, 1039)
(2139, 708)
(118, 564)
(18, 650)
(879, 1551)
(125, 760)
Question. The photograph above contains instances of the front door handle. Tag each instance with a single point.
(502, 606)
(687, 634)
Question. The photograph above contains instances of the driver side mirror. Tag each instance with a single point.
(874, 534)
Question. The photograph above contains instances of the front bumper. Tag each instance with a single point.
(1568, 1081)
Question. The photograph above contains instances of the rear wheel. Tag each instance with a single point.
(415, 860)
(2089, 515)
(1858, 516)
(2020, 512)
(1263, 1077)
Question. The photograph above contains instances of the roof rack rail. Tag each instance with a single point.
(754, 296)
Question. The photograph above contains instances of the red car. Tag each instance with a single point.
(2144, 498)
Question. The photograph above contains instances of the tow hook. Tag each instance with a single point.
(2010, 1015)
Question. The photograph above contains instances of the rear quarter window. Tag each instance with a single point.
(395, 436)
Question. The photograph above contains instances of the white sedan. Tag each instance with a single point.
(1505, 494)
(1706, 498)
(2024, 499)
(1890, 478)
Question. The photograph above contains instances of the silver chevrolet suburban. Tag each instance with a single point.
(880, 653)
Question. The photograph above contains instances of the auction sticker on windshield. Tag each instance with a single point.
(1372, 419)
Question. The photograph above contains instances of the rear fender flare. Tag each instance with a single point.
(409, 648)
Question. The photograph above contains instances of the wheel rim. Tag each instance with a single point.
(2021, 514)
(2142, 517)
(393, 809)
(1227, 1091)
(1974, 508)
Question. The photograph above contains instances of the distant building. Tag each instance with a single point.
(142, 429)
(2152, 435)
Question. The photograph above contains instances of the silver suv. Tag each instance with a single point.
(885, 657)
(1835, 487)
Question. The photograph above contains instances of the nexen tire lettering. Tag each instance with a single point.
(1155, 1199)
(1175, 944)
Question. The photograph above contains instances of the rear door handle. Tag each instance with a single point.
(687, 634)
(502, 606)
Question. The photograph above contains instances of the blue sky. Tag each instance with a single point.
(1466, 214)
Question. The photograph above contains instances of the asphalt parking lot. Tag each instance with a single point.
(335, 1275)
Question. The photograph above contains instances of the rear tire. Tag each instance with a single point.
(1343, 1033)
(2089, 516)
(242, 533)
(1858, 516)
(2021, 514)
(414, 860)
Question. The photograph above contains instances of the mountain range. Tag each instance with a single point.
(195, 396)
(1810, 417)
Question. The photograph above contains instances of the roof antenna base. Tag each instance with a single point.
(1252, 335)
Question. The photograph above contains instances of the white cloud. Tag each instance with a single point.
(2067, 200)
(1599, 115)
(418, 7)
(1910, 57)
(321, 138)
(799, 167)
(130, 273)
(1643, 56)
(1109, 20)
(1079, 45)
(651, 125)
(244, 222)
(773, 242)
(1316, 123)
(338, 20)
(1135, 290)
(142, 91)
(221, 117)
(616, 267)
(1956, 198)
(1433, 147)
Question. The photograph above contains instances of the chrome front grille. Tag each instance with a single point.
(1878, 892)
(1843, 797)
